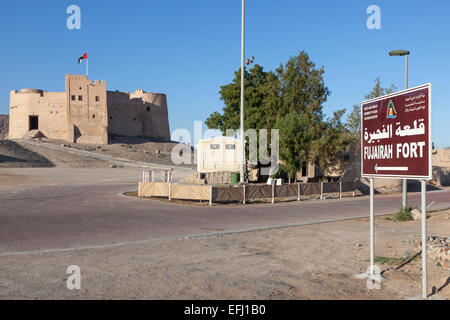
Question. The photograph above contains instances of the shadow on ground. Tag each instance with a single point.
(13, 155)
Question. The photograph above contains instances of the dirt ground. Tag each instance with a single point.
(131, 148)
(13, 155)
(19, 154)
(309, 262)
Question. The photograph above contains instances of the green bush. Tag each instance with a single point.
(404, 214)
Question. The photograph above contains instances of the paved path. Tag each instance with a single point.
(68, 216)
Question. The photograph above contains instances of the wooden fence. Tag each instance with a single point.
(215, 194)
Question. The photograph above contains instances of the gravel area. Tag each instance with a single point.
(309, 262)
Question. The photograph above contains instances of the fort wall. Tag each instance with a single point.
(87, 109)
(139, 114)
(50, 108)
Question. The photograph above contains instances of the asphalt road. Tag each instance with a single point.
(80, 216)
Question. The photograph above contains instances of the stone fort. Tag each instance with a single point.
(87, 113)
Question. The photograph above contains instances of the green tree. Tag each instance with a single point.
(379, 91)
(353, 123)
(254, 81)
(302, 88)
(297, 86)
(334, 138)
(295, 141)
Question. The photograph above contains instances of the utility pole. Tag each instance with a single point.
(242, 166)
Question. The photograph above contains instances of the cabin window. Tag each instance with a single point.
(215, 146)
(230, 147)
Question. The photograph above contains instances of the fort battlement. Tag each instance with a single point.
(29, 91)
(83, 78)
(142, 92)
(98, 82)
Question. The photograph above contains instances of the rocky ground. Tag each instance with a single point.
(20, 154)
(309, 262)
(23, 153)
(131, 148)
(14, 155)
(4, 126)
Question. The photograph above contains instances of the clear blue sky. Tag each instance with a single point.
(188, 49)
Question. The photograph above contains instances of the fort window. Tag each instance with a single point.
(148, 108)
(97, 98)
(93, 116)
(33, 123)
(73, 98)
(80, 98)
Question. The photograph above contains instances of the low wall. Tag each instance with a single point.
(184, 192)
(153, 189)
(242, 194)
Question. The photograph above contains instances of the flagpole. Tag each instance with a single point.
(87, 68)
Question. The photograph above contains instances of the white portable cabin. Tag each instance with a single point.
(220, 154)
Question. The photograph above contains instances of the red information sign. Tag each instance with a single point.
(396, 135)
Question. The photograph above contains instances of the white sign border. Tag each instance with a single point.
(430, 135)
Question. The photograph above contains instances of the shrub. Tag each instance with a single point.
(404, 214)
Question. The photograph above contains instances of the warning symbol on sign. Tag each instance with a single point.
(391, 112)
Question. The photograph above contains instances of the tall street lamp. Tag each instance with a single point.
(397, 53)
(242, 166)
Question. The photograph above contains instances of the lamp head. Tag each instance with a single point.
(399, 53)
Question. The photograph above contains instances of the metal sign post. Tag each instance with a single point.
(396, 143)
(424, 240)
(372, 228)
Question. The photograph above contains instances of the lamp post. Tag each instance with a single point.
(242, 166)
(397, 53)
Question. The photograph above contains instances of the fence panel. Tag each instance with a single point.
(227, 194)
(253, 192)
(153, 189)
(348, 186)
(286, 191)
(309, 189)
(331, 187)
(190, 192)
